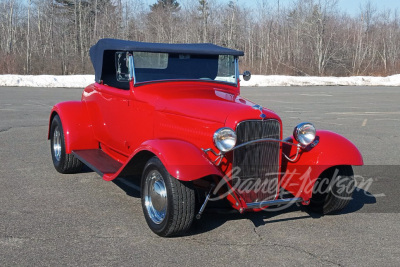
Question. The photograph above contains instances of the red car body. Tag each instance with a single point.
(175, 120)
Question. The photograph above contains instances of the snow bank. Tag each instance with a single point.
(46, 80)
(276, 80)
(82, 81)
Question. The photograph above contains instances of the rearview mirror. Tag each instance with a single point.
(246, 75)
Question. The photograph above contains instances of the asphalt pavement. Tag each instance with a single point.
(51, 219)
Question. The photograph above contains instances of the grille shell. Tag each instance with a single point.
(258, 162)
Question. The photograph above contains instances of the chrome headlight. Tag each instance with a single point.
(225, 139)
(304, 133)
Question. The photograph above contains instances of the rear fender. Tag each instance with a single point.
(183, 160)
(330, 150)
(78, 132)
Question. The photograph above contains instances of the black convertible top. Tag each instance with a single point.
(97, 50)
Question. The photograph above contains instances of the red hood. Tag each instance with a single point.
(207, 101)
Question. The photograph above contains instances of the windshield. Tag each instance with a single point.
(164, 66)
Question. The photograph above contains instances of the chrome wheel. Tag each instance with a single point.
(168, 204)
(155, 196)
(57, 143)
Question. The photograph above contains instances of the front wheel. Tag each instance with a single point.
(168, 204)
(333, 190)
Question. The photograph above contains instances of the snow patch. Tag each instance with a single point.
(278, 80)
(71, 81)
(81, 81)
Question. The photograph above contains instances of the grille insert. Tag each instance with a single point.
(259, 162)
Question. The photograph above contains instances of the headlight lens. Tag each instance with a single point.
(225, 139)
(304, 133)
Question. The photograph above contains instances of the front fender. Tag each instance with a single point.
(183, 160)
(78, 132)
(332, 150)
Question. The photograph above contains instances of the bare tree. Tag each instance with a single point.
(309, 37)
(204, 14)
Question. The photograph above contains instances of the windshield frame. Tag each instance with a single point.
(235, 83)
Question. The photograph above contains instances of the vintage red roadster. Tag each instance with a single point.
(172, 115)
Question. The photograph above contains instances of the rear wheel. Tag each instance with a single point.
(63, 162)
(168, 204)
(333, 190)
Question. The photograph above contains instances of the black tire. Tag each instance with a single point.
(333, 190)
(63, 162)
(170, 211)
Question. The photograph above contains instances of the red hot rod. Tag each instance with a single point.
(172, 114)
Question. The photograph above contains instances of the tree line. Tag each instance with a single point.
(309, 37)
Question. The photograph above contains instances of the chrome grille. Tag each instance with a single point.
(258, 162)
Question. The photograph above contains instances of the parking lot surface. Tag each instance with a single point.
(51, 219)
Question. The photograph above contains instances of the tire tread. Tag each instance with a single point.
(334, 202)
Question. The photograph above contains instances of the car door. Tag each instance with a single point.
(111, 104)
(113, 126)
